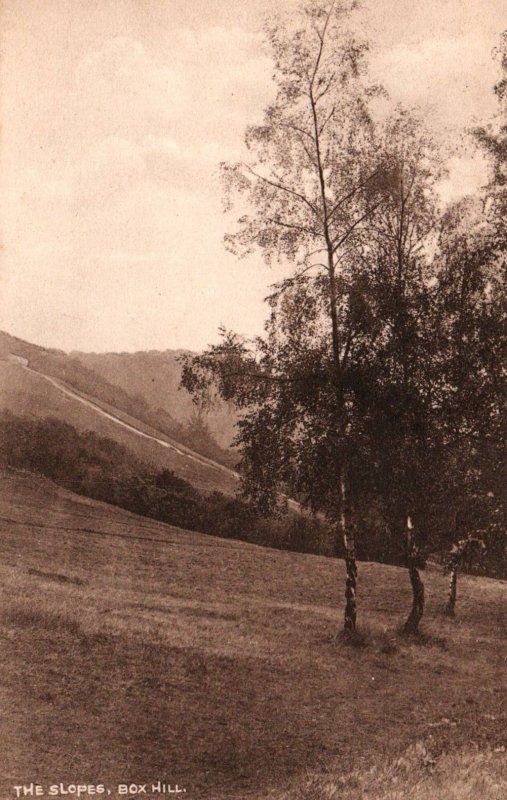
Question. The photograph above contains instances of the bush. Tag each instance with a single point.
(104, 470)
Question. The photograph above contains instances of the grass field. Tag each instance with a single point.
(132, 651)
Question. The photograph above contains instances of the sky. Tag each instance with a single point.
(116, 116)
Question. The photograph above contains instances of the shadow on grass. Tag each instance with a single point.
(361, 637)
(56, 576)
(41, 620)
(385, 641)
(422, 639)
(388, 642)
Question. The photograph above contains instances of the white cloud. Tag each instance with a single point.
(466, 175)
(112, 166)
(451, 78)
(214, 78)
(122, 89)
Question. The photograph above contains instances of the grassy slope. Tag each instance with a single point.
(145, 385)
(27, 393)
(133, 651)
(156, 377)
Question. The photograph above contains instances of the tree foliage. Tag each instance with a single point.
(379, 380)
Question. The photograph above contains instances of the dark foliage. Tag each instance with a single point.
(100, 468)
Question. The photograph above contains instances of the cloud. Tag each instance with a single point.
(168, 162)
(214, 78)
(436, 74)
(465, 176)
(114, 165)
(122, 89)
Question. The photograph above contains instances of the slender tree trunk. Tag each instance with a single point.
(413, 558)
(460, 550)
(350, 558)
(451, 597)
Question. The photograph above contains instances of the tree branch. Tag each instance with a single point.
(322, 36)
(301, 228)
(325, 90)
(296, 128)
(346, 235)
(352, 192)
(328, 118)
(282, 188)
(260, 376)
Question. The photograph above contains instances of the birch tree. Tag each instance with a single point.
(313, 181)
(399, 409)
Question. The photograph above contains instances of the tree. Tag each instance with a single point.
(315, 179)
(397, 404)
(463, 548)
(472, 325)
(493, 139)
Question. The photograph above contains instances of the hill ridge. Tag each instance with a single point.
(148, 390)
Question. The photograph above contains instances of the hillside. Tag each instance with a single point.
(155, 377)
(26, 391)
(152, 653)
(186, 426)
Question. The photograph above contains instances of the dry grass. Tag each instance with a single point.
(40, 620)
(416, 775)
(161, 654)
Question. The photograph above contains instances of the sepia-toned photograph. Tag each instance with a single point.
(253, 399)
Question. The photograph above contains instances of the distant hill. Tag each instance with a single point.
(74, 373)
(154, 377)
(144, 385)
(38, 382)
